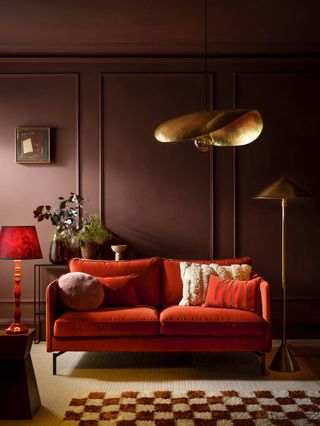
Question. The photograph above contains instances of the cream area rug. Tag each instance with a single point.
(165, 408)
(83, 373)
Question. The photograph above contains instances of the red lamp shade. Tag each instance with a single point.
(16, 243)
(19, 242)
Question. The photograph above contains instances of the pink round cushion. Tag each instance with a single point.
(80, 291)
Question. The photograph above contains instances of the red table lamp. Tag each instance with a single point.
(17, 243)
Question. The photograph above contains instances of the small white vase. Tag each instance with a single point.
(119, 249)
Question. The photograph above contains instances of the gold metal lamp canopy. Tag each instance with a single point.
(234, 127)
(283, 189)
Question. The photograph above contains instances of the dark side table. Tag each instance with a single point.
(39, 292)
(19, 395)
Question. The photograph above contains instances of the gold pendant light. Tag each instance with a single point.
(231, 127)
(234, 127)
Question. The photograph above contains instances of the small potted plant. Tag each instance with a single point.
(66, 219)
(92, 235)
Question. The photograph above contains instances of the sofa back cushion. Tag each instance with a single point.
(147, 283)
(172, 286)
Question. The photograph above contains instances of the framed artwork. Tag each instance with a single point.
(33, 145)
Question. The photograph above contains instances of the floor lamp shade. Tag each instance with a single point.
(283, 189)
(18, 243)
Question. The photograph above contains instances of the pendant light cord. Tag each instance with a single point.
(206, 52)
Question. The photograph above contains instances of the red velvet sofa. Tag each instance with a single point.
(157, 323)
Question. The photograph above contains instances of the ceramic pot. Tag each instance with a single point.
(89, 250)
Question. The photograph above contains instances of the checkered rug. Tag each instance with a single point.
(225, 408)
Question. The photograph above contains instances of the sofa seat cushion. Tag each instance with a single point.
(200, 321)
(109, 321)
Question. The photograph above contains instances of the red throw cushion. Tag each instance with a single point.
(171, 278)
(223, 293)
(147, 284)
(80, 291)
(119, 291)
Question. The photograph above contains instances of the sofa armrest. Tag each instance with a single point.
(265, 300)
(51, 311)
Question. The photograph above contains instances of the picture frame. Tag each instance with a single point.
(33, 145)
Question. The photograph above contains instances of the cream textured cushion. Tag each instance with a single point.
(195, 278)
(233, 272)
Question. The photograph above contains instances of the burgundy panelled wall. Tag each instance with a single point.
(108, 73)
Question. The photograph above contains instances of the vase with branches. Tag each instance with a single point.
(66, 218)
(75, 230)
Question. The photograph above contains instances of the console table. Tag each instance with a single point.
(19, 395)
(38, 293)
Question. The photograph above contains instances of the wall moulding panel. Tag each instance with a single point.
(49, 99)
(155, 196)
(286, 148)
(46, 77)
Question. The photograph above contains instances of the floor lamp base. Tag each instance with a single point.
(284, 360)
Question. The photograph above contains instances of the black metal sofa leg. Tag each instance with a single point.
(54, 361)
(263, 363)
(262, 355)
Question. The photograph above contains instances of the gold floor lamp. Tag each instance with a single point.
(283, 189)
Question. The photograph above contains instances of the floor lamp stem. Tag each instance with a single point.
(284, 358)
(284, 293)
